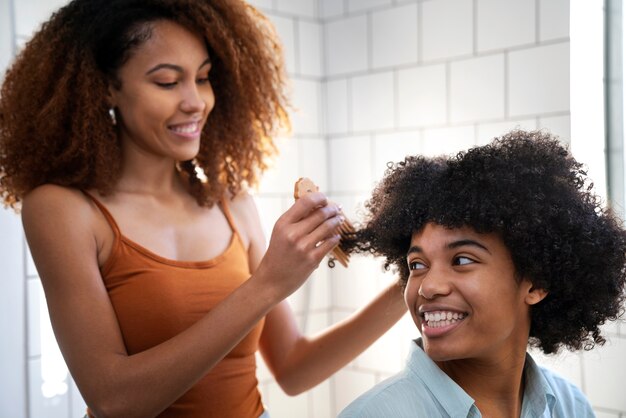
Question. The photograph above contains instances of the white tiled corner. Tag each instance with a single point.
(312, 161)
(36, 300)
(557, 125)
(393, 148)
(358, 5)
(447, 29)
(46, 398)
(477, 89)
(422, 96)
(285, 28)
(553, 19)
(315, 323)
(488, 131)
(394, 36)
(346, 45)
(345, 176)
(504, 23)
(349, 385)
(279, 178)
(372, 100)
(447, 141)
(30, 14)
(284, 406)
(354, 287)
(305, 118)
(331, 8)
(310, 48)
(304, 8)
(336, 105)
(604, 369)
(539, 80)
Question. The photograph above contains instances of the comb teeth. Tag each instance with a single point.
(346, 229)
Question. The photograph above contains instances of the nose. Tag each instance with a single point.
(434, 284)
(193, 101)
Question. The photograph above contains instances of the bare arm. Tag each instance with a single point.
(61, 232)
(299, 362)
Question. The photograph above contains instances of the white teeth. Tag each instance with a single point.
(185, 129)
(442, 318)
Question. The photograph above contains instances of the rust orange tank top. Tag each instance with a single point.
(157, 298)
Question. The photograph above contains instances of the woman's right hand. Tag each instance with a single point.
(301, 238)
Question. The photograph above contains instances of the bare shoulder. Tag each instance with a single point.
(50, 205)
(246, 217)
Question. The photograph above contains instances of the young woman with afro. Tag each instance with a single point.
(499, 247)
(159, 284)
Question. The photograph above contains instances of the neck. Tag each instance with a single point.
(496, 385)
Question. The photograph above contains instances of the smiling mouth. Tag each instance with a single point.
(186, 129)
(438, 319)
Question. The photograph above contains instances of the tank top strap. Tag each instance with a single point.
(106, 213)
(228, 215)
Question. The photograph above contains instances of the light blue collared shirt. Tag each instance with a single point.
(423, 390)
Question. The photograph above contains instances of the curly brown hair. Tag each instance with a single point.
(527, 188)
(54, 122)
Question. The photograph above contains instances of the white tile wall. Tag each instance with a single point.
(336, 105)
(477, 89)
(345, 175)
(373, 81)
(553, 19)
(447, 29)
(331, 8)
(304, 8)
(310, 49)
(346, 45)
(6, 36)
(372, 102)
(394, 36)
(358, 5)
(504, 23)
(422, 96)
(538, 80)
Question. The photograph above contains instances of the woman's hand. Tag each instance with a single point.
(301, 238)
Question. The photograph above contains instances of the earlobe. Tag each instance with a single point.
(535, 295)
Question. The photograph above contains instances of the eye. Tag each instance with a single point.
(462, 261)
(167, 85)
(204, 80)
(416, 265)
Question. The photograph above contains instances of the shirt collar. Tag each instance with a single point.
(537, 391)
(448, 394)
(456, 402)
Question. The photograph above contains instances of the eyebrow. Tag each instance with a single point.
(452, 245)
(174, 67)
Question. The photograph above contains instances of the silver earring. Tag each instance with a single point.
(113, 117)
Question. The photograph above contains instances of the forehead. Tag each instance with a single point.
(169, 42)
(434, 236)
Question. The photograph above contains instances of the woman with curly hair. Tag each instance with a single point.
(159, 286)
(499, 247)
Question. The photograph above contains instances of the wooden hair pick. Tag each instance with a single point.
(304, 186)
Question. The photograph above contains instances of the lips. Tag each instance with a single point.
(186, 129)
(442, 318)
